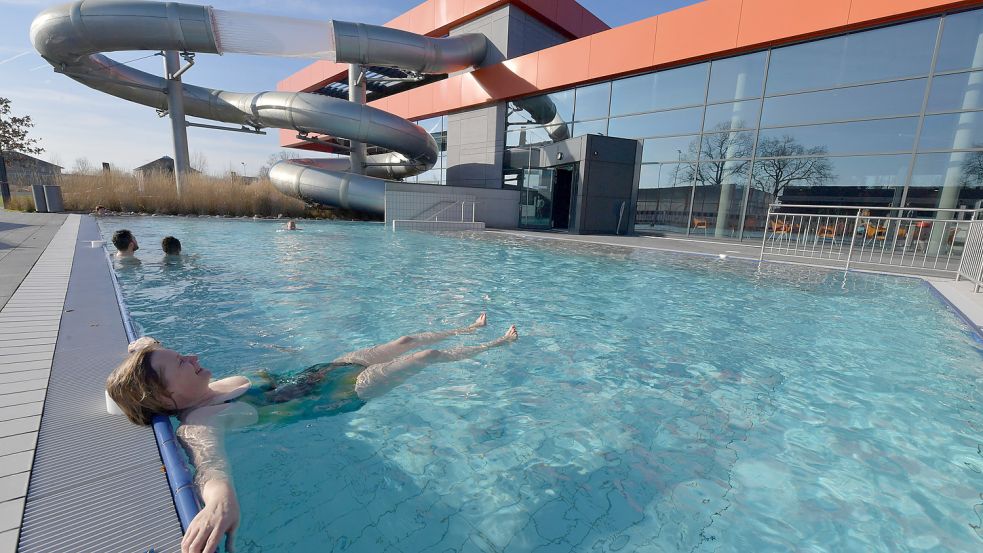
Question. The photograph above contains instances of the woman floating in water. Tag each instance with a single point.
(154, 380)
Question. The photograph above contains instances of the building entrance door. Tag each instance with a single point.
(564, 196)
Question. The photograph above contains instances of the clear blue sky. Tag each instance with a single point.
(76, 122)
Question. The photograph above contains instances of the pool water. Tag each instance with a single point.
(653, 402)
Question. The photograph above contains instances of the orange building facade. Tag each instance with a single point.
(736, 104)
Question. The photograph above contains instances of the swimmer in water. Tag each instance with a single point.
(158, 381)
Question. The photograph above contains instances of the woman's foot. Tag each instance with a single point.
(511, 334)
(480, 321)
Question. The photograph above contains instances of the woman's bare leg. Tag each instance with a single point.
(391, 350)
(382, 377)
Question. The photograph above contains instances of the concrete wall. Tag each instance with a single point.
(497, 208)
(476, 138)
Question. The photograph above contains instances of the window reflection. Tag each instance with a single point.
(962, 42)
(732, 116)
(674, 148)
(947, 180)
(599, 126)
(684, 86)
(664, 196)
(956, 92)
(952, 131)
(592, 101)
(879, 136)
(717, 197)
(879, 54)
(877, 100)
(737, 78)
(550, 113)
(821, 180)
(679, 121)
(727, 145)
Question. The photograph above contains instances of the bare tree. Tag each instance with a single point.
(13, 137)
(784, 165)
(282, 155)
(82, 166)
(721, 148)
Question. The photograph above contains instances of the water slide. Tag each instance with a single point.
(71, 37)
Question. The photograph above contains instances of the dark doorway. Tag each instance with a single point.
(562, 194)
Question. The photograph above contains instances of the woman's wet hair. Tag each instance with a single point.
(137, 388)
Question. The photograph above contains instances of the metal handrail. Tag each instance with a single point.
(463, 203)
(932, 242)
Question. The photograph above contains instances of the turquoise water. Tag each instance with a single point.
(653, 402)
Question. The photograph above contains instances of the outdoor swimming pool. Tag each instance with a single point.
(653, 402)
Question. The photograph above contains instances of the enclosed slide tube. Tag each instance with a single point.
(71, 37)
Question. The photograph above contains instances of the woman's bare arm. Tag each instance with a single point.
(202, 435)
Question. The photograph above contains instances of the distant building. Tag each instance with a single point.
(161, 165)
(24, 170)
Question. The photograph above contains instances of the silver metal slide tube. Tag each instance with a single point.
(71, 37)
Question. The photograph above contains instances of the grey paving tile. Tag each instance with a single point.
(26, 341)
(16, 462)
(7, 388)
(25, 366)
(40, 375)
(20, 426)
(20, 411)
(18, 443)
(11, 513)
(13, 349)
(13, 486)
(8, 541)
(19, 357)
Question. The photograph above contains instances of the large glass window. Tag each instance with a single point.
(731, 116)
(679, 121)
(592, 101)
(823, 180)
(727, 145)
(684, 86)
(879, 54)
(956, 92)
(598, 126)
(878, 136)
(952, 131)
(737, 78)
(859, 102)
(950, 180)
(962, 42)
(523, 137)
(664, 195)
(673, 148)
(540, 110)
(717, 197)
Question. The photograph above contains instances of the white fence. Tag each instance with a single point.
(935, 241)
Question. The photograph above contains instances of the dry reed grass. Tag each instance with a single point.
(156, 193)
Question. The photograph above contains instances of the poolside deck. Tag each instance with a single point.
(74, 478)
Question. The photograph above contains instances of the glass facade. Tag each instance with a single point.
(437, 127)
(887, 117)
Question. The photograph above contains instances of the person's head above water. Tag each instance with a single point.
(154, 380)
(171, 245)
(125, 242)
(291, 225)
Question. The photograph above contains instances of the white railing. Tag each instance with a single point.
(971, 264)
(463, 204)
(876, 238)
(467, 215)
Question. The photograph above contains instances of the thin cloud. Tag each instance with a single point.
(12, 58)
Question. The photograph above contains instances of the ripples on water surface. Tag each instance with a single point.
(653, 402)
